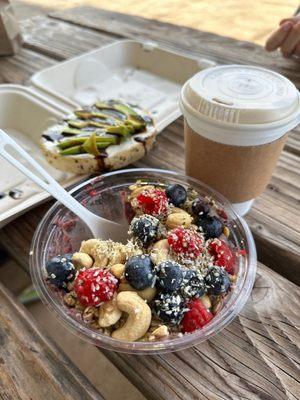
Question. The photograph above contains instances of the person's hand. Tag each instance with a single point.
(286, 37)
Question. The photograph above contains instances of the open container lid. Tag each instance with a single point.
(142, 73)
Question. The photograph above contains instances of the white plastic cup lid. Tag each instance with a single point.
(257, 103)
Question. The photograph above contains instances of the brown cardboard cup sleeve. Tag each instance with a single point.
(240, 173)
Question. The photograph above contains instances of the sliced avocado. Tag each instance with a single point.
(95, 130)
(122, 108)
(110, 110)
(70, 131)
(71, 151)
(85, 114)
(63, 144)
(122, 130)
(125, 109)
(138, 124)
(78, 123)
(98, 124)
(103, 106)
(90, 145)
(137, 119)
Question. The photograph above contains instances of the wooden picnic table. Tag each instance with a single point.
(256, 356)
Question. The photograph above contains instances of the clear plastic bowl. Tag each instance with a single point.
(60, 232)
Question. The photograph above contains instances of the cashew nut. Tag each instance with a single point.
(139, 317)
(160, 251)
(146, 294)
(117, 257)
(118, 270)
(125, 287)
(179, 219)
(82, 260)
(109, 313)
(161, 331)
(206, 301)
(226, 231)
(162, 245)
(90, 247)
(217, 305)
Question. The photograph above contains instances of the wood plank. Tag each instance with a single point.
(60, 40)
(19, 68)
(22, 237)
(31, 365)
(274, 218)
(255, 357)
(219, 48)
(13, 277)
(293, 144)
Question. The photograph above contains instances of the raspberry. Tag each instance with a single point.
(185, 242)
(94, 286)
(223, 256)
(153, 202)
(196, 317)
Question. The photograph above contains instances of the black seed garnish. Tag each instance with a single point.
(147, 119)
(52, 137)
(15, 194)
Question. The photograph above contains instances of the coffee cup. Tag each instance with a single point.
(236, 121)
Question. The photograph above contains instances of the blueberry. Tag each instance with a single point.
(170, 307)
(176, 194)
(139, 272)
(193, 284)
(169, 276)
(61, 270)
(217, 280)
(200, 207)
(212, 227)
(145, 228)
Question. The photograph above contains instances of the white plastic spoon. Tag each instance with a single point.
(100, 227)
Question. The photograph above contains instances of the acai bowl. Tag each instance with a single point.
(185, 273)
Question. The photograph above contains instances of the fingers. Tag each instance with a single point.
(293, 19)
(285, 20)
(279, 36)
(291, 41)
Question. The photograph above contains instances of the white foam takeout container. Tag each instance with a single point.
(139, 72)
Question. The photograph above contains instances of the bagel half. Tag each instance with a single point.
(129, 148)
